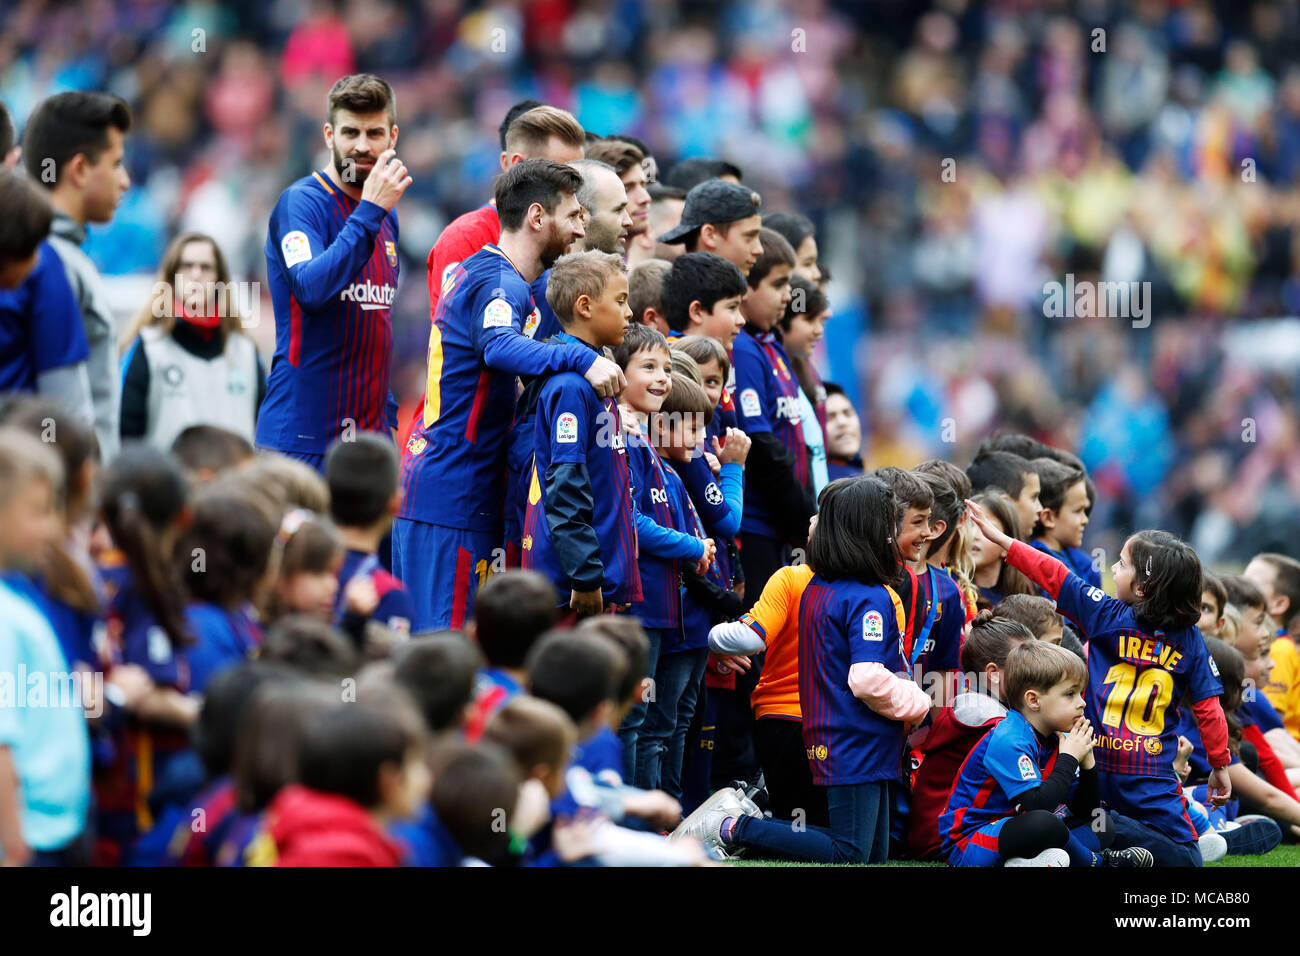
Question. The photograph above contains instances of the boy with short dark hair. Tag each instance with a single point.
(439, 671)
(778, 503)
(701, 296)
(580, 524)
(1063, 495)
(1214, 600)
(74, 147)
(364, 496)
(1012, 477)
(359, 768)
(513, 610)
(666, 547)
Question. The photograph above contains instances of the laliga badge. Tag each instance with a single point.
(750, 406)
(873, 626)
(497, 315)
(1027, 769)
(566, 429)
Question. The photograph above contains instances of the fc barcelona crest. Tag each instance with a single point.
(390, 249)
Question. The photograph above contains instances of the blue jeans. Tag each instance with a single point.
(661, 745)
(859, 830)
(1167, 852)
(630, 729)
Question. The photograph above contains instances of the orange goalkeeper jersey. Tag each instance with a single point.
(775, 618)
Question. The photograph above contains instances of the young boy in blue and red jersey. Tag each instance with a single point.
(1063, 493)
(513, 610)
(331, 261)
(449, 532)
(362, 476)
(666, 544)
(1144, 655)
(580, 528)
(1002, 810)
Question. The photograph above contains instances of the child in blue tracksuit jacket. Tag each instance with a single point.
(580, 526)
(668, 546)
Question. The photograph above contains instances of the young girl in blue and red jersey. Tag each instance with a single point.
(1144, 655)
(144, 501)
(224, 554)
(855, 707)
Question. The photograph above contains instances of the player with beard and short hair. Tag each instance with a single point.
(605, 201)
(606, 221)
(449, 530)
(630, 163)
(530, 130)
(331, 260)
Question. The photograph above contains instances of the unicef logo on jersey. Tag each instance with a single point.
(369, 296)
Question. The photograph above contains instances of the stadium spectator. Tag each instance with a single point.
(186, 360)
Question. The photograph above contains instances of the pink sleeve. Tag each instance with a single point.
(886, 694)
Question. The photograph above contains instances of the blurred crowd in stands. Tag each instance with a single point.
(955, 156)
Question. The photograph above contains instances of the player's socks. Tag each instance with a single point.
(1053, 856)
(1134, 856)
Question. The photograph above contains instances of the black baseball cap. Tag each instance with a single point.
(716, 201)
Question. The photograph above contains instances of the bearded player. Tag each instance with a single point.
(331, 261)
(449, 532)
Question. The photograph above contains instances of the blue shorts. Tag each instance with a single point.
(1155, 802)
(979, 848)
(442, 569)
(311, 460)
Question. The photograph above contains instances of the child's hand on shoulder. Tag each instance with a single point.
(734, 448)
(711, 459)
(1078, 742)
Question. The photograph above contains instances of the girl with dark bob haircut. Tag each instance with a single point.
(856, 524)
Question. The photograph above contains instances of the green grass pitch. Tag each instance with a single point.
(1283, 856)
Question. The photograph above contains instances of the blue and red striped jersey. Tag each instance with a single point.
(767, 400)
(1135, 677)
(454, 465)
(842, 623)
(1012, 759)
(332, 265)
(661, 578)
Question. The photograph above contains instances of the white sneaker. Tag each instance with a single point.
(706, 822)
(1054, 856)
(1213, 846)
